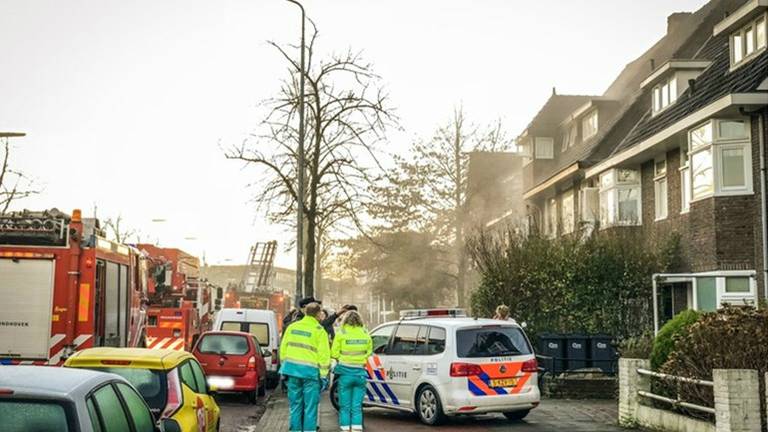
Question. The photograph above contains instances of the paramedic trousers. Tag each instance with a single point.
(303, 399)
(351, 390)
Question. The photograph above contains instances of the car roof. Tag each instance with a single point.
(225, 332)
(162, 359)
(247, 312)
(52, 382)
(455, 323)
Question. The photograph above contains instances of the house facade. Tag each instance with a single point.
(676, 144)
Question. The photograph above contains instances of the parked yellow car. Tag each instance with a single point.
(172, 383)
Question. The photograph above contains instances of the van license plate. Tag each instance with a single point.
(506, 382)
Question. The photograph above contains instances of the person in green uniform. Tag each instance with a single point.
(306, 360)
(351, 348)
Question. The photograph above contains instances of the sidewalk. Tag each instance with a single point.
(276, 416)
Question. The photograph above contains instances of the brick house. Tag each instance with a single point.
(675, 145)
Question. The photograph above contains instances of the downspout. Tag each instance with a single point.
(763, 205)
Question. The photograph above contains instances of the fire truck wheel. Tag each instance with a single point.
(253, 397)
(262, 388)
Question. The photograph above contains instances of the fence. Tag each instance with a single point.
(736, 400)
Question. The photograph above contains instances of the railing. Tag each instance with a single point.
(676, 402)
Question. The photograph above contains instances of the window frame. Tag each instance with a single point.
(740, 55)
(587, 120)
(612, 187)
(685, 181)
(568, 226)
(664, 90)
(547, 144)
(717, 143)
(389, 340)
(91, 394)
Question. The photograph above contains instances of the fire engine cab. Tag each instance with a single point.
(181, 304)
(65, 287)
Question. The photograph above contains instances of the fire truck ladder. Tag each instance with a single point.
(258, 271)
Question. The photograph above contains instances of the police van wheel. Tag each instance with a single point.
(516, 415)
(428, 406)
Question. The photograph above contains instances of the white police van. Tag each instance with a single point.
(440, 363)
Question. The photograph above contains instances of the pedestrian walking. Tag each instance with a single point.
(351, 348)
(306, 359)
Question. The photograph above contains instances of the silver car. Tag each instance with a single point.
(52, 399)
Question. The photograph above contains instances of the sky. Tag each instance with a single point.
(128, 105)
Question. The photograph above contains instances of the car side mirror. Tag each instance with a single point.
(169, 425)
(266, 353)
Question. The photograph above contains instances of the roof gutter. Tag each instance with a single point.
(560, 176)
(679, 126)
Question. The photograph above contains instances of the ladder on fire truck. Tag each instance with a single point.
(258, 271)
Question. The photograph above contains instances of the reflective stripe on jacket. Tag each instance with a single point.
(304, 350)
(352, 346)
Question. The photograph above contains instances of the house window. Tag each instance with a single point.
(569, 136)
(620, 197)
(737, 285)
(550, 227)
(660, 188)
(664, 94)
(589, 203)
(721, 161)
(568, 211)
(589, 125)
(748, 41)
(545, 148)
(685, 181)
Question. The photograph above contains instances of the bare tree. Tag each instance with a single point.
(347, 116)
(117, 230)
(427, 192)
(14, 185)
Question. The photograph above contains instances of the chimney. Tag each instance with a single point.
(554, 91)
(676, 21)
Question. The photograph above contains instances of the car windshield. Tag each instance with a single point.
(33, 416)
(491, 342)
(223, 344)
(151, 385)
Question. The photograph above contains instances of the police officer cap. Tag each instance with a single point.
(305, 301)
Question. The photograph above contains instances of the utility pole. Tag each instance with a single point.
(300, 172)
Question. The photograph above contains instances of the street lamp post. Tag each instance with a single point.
(300, 172)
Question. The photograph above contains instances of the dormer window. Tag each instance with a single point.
(748, 41)
(589, 125)
(664, 94)
(569, 136)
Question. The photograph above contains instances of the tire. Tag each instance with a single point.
(262, 390)
(334, 395)
(253, 397)
(516, 415)
(428, 406)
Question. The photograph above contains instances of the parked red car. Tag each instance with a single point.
(233, 362)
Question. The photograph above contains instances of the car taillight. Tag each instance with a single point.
(252, 363)
(530, 366)
(274, 357)
(175, 397)
(465, 369)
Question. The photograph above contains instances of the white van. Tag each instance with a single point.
(261, 323)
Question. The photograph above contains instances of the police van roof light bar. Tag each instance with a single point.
(432, 313)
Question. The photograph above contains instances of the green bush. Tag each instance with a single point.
(731, 338)
(596, 283)
(638, 347)
(665, 341)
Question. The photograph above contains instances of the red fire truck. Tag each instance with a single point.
(65, 287)
(181, 305)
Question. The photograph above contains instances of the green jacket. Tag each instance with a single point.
(304, 350)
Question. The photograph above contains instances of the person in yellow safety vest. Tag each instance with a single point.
(306, 359)
(351, 347)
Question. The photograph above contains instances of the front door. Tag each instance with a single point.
(407, 360)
